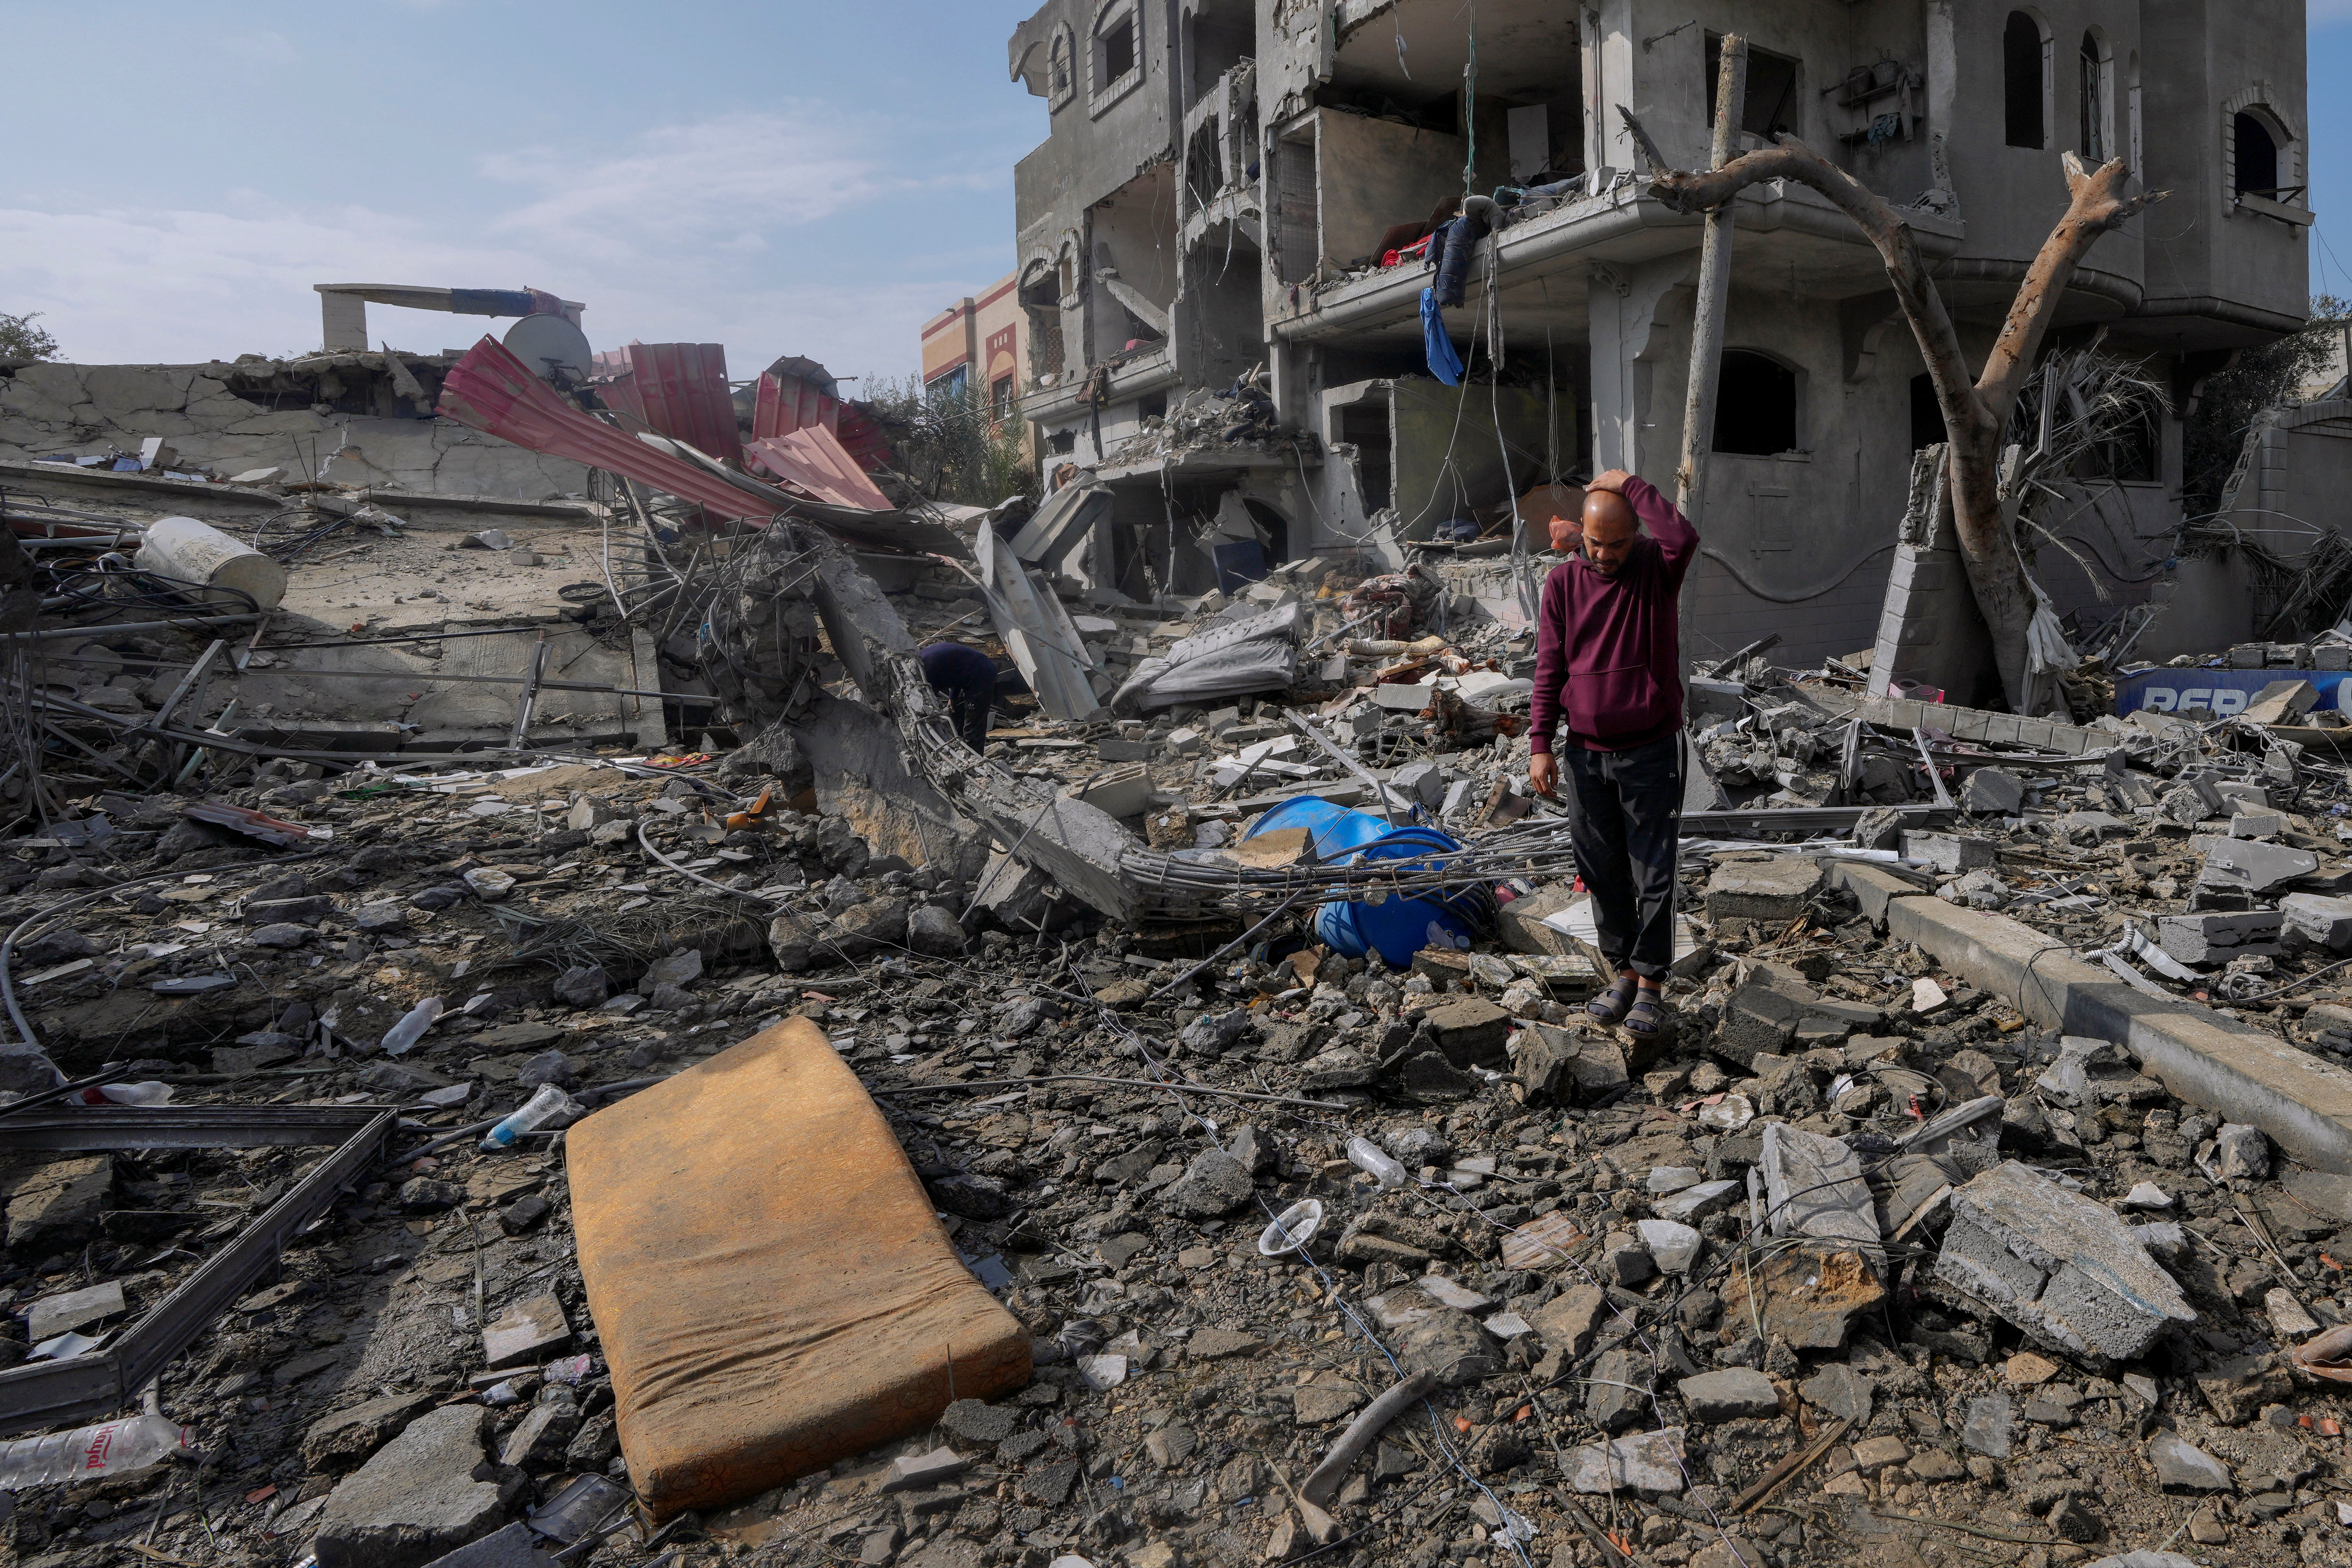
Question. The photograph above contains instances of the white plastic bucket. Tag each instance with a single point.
(192, 552)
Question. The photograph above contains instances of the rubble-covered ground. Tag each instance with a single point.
(1627, 1364)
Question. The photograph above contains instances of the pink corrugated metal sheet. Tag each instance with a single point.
(786, 404)
(813, 458)
(683, 388)
(620, 394)
(492, 391)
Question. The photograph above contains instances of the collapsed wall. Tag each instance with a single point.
(340, 418)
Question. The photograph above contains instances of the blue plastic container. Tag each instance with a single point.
(1396, 928)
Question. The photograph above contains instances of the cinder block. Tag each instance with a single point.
(2067, 1270)
(2219, 938)
(1948, 851)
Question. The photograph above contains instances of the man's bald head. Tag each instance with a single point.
(1610, 530)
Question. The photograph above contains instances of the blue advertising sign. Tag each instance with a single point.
(2220, 692)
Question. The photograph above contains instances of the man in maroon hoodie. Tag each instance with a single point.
(1608, 712)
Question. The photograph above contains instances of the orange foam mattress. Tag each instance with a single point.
(771, 1285)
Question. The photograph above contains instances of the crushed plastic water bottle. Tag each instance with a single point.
(109, 1448)
(1366, 1157)
(401, 1037)
(543, 1106)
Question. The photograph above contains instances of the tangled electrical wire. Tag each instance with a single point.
(112, 583)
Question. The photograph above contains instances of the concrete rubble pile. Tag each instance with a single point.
(1989, 1194)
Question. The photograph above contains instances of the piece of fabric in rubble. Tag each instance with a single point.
(1408, 598)
(1444, 363)
(1260, 654)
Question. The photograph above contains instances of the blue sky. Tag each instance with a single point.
(2331, 147)
(793, 177)
(788, 177)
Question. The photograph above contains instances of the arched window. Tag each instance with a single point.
(2093, 131)
(2256, 160)
(2020, 82)
(1061, 68)
(1755, 405)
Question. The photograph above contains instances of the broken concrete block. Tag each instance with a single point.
(2208, 938)
(2250, 865)
(1948, 851)
(1673, 1248)
(935, 932)
(343, 1439)
(1776, 888)
(2281, 702)
(920, 1472)
(1470, 1031)
(2319, 918)
(1692, 1202)
(1569, 1321)
(1422, 782)
(1810, 1294)
(538, 1441)
(1649, 1463)
(2257, 824)
(1992, 792)
(1728, 1394)
(1813, 1187)
(1757, 1019)
(2183, 1466)
(1987, 1425)
(2062, 1267)
(526, 1332)
(60, 1202)
(1452, 1345)
(416, 1501)
(1121, 790)
(70, 1310)
(1214, 1184)
(1618, 1396)
(2242, 1153)
(583, 985)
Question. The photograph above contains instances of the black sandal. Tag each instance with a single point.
(1611, 1004)
(1647, 1015)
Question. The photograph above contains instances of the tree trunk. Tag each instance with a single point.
(1975, 409)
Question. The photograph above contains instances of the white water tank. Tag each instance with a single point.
(192, 552)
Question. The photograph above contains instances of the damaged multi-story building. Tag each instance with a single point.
(1226, 185)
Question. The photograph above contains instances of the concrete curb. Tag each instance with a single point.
(2304, 1104)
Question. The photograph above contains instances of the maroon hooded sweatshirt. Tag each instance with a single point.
(1608, 650)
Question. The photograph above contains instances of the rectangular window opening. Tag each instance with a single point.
(1118, 49)
(1769, 104)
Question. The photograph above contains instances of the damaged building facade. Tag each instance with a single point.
(1223, 181)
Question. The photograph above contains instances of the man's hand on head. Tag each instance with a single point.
(1613, 481)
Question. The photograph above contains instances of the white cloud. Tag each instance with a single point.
(755, 230)
(267, 46)
(120, 287)
(722, 182)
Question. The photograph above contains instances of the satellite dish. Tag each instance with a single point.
(550, 344)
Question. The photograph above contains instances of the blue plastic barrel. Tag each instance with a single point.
(1398, 927)
(1334, 831)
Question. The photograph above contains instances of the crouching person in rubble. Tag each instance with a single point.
(1608, 715)
(966, 678)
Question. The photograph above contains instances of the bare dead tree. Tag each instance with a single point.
(1977, 409)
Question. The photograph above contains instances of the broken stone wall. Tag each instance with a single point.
(358, 419)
